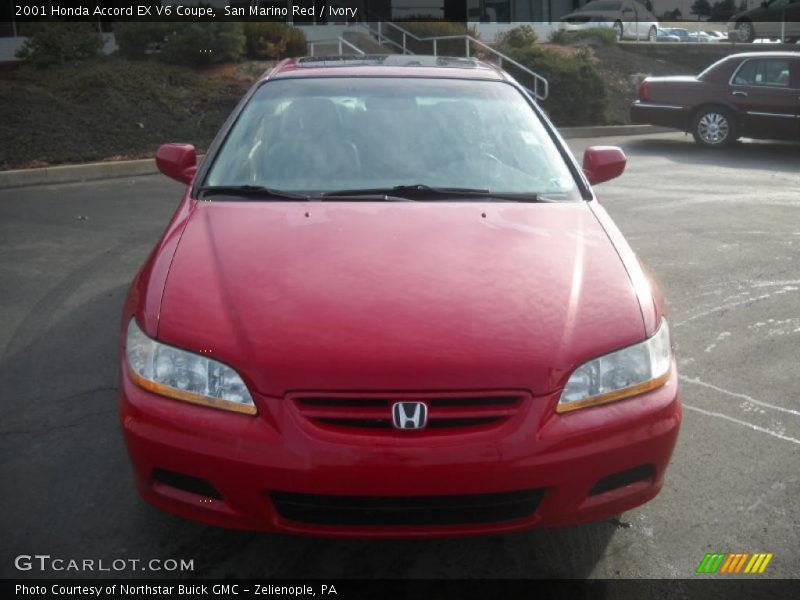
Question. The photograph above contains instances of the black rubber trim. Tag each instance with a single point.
(406, 510)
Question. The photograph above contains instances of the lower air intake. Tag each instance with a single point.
(406, 510)
(623, 478)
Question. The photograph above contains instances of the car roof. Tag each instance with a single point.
(769, 54)
(383, 65)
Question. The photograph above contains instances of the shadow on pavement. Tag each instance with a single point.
(750, 154)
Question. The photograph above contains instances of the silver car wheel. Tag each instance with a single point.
(713, 128)
(744, 31)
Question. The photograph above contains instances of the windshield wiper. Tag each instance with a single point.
(255, 192)
(421, 191)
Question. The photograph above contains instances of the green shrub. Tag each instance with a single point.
(523, 36)
(578, 94)
(135, 39)
(603, 34)
(424, 27)
(59, 43)
(204, 43)
(267, 40)
(559, 36)
(109, 107)
(122, 82)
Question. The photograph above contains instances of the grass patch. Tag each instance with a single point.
(597, 35)
(109, 107)
(607, 37)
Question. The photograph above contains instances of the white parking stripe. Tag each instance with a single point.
(745, 423)
(697, 381)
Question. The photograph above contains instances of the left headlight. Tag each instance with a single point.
(628, 372)
(183, 375)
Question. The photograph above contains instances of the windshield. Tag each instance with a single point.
(603, 5)
(321, 135)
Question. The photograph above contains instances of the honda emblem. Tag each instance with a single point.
(409, 415)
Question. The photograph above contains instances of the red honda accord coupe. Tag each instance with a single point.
(389, 304)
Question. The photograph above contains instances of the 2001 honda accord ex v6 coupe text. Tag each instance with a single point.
(389, 304)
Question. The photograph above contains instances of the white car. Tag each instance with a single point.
(716, 36)
(631, 19)
(701, 37)
(665, 36)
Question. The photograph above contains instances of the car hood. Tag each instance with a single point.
(589, 15)
(398, 296)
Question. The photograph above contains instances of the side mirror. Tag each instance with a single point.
(177, 161)
(601, 163)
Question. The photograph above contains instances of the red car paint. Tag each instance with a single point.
(400, 301)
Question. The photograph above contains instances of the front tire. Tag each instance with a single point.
(745, 32)
(714, 127)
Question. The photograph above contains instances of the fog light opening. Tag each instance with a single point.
(186, 483)
(623, 478)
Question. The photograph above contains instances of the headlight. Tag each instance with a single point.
(185, 376)
(621, 374)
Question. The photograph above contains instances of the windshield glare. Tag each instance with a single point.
(323, 134)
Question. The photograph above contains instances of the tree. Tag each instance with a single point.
(135, 39)
(672, 15)
(54, 43)
(722, 11)
(701, 8)
(204, 43)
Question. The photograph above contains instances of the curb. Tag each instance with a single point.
(147, 166)
(611, 131)
(73, 173)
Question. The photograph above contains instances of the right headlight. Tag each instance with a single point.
(183, 375)
(628, 372)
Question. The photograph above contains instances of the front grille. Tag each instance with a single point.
(406, 510)
(374, 413)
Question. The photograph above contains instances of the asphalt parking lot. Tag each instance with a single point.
(720, 230)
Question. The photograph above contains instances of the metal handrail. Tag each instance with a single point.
(340, 41)
(541, 87)
(538, 80)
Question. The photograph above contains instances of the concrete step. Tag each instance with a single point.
(367, 43)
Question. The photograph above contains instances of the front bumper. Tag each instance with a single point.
(560, 457)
